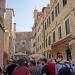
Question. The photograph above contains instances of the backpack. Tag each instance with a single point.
(64, 71)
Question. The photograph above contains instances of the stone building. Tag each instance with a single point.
(55, 25)
(33, 38)
(23, 42)
(2, 10)
(9, 36)
(40, 36)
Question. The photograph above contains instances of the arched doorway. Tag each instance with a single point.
(68, 52)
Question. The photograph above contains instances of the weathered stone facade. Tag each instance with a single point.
(9, 44)
(23, 42)
(54, 27)
(2, 10)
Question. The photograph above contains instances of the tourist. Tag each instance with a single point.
(45, 69)
(39, 67)
(33, 68)
(52, 68)
(21, 69)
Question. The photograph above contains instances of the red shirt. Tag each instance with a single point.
(52, 68)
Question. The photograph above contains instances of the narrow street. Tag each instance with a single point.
(37, 37)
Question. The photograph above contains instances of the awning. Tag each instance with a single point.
(36, 56)
(19, 54)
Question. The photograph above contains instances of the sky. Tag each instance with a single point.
(24, 12)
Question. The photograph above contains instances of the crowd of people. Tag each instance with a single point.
(39, 67)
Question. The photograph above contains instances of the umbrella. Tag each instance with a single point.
(37, 56)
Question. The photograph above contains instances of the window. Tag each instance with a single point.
(49, 40)
(40, 46)
(54, 36)
(49, 20)
(59, 32)
(64, 2)
(52, 15)
(38, 38)
(67, 26)
(17, 43)
(74, 13)
(34, 44)
(45, 26)
(46, 42)
(57, 10)
(23, 43)
(49, 54)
